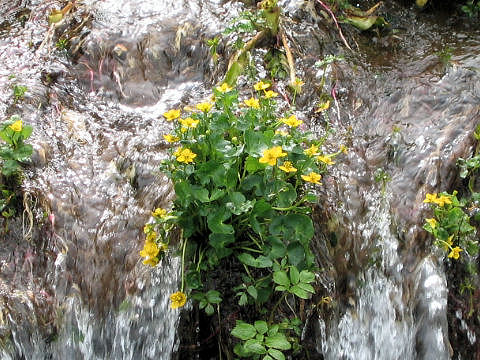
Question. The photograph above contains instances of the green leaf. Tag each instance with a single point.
(253, 292)
(295, 253)
(10, 167)
(216, 194)
(193, 279)
(294, 275)
(255, 346)
(209, 310)
(238, 204)
(247, 259)
(293, 226)
(307, 287)
(297, 290)
(261, 326)
(243, 299)
(240, 351)
(280, 277)
(263, 262)
(278, 341)
(244, 331)
(215, 221)
(286, 196)
(23, 152)
(213, 297)
(278, 249)
(276, 354)
(255, 143)
(273, 329)
(252, 164)
(307, 276)
(200, 193)
(26, 131)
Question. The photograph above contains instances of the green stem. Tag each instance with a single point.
(270, 319)
(183, 264)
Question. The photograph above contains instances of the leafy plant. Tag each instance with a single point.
(471, 8)
(450, 225)
(14, 151)
(19, 92)
(243, 179)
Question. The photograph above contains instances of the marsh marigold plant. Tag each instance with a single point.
(239, 179)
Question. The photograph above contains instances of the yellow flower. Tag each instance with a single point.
(291, 121)
(205, 106)
(151, 261)
(150, 250)
(344, 149)
(455, 253)
(442, 200)
(323, 106)
(159, 212)
(325, 159)
(297, 85)
(189, 122)
(270, 94)
(287, 167)
(430, 198)
(172, 114)
(253, 103)
(178, 300)
(17, 126)
(171, 138)
(432, 222)
(185, 155)
(224, 88)
(281, 132)
(270, 156)
(183, 129)
(261, 86)
(313, 177)
(151, 236)
(312, 150)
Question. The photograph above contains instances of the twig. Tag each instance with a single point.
(336, 23)
(288, 53)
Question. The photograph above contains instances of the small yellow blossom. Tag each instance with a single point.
(312, 150)
(323, 106)
(344, 149)
(270, 156)
(150, 250)
(172, 114)
(252, 102)
(159, 212)
(183, 129)
(151, 261)
(287, 167)
(430, 198)
(17, 126)
(178, 300)
(270, 94)
(313, 177)
(171, 138)
(432, 222)
(291, 121)
(261, 86)
(224, 88)
(281, 132)
(189, 122)
(205, 106)
(325, 159)
(297, 85)
(455, 253)
(185, 155)
(442, 200)
(151, 236)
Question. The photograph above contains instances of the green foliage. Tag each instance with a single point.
(62, 44)
(450, 225)
(19, 92)
(13, 152)
(471, 8)
(261, 340)
(241, 176)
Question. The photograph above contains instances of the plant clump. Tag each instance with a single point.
(244, 179)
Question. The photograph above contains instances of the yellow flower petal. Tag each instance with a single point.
(17, 126)
(313, 178)
(287, 167)
(178, 300)
(261, 86)
(205, 107)
(253, 103)
(172, 114)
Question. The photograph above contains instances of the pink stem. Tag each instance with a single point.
(336, 23)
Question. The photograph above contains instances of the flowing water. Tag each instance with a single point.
(76, 288)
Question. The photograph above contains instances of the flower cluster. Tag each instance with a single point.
(450, 225)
